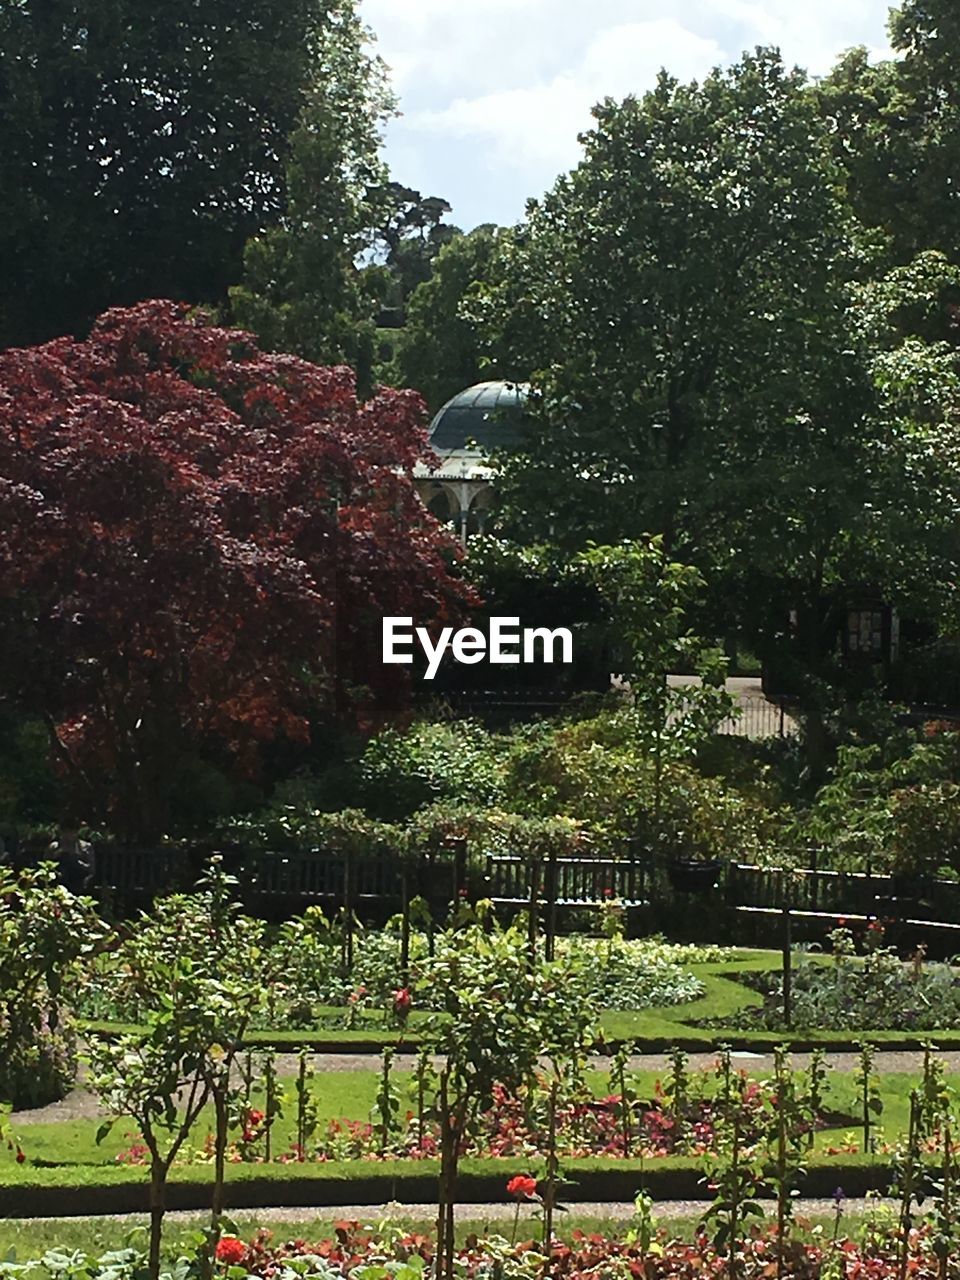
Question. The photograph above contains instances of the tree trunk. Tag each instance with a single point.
(451, 1208)
(451, 1129)
(158, 1207)
(550, 1191)
(443, 1182)
(220, 1165)
(816, 742)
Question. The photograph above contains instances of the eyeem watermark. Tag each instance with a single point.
(506, 645)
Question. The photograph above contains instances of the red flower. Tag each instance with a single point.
(20, 1156)
(522, 1186)
(402, 1000)
(255, 1117)
(230, 1250)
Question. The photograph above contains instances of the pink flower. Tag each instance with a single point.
(402, 1001)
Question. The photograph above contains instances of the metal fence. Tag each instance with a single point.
(512, 879)
(759, 719)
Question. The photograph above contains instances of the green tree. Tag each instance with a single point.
(142, 146)
(650, 599)
(927, 35)
(438, 352)
(46, 936)
(303, 289)
(199, 970)
(896, 130)
(702, 369)
(499, 1013)
(877, 147)
(411, 236)
(675, 320)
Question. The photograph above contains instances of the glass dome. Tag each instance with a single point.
(481, 419)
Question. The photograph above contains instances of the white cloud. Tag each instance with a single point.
(810, 35)
(538, 124)
(452, 46)
(494, 92)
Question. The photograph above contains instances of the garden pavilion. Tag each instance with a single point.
(468, 429)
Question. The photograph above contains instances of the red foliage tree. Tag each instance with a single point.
(197, 544)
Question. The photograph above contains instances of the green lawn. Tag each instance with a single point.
(65, 1154)
(31, 1238)
(72, 1146)
(657, 1029)
(339, 1094)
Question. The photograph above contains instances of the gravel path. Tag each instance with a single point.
(82, 1105)
(373, 1215)
(889, 1061)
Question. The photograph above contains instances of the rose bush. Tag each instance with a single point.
(360, 1253)
(45, 934)
(617, 973)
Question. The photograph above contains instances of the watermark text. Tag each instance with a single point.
(507, 644)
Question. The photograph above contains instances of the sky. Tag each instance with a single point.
(493, 93)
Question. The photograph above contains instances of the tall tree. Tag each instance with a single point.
(303, 289)
(438, 353)
(142, 145)
(927, 34)
(895, 128)
(677, 320)
(197, 545)
(700, 369)
(412, 235)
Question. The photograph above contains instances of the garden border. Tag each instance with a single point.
(349, 1183)
(658, 1029)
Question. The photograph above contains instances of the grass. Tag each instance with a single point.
(656, 1029)
(67, 1149)
(31, 1238)
(723, 997)
(339, 1094)
(65, 1154)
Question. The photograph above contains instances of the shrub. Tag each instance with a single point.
(39, 1062)
(925, 828)
(401, 772)
(878, 992)
(892, 805)
(595, 772)
(44, 932)
(289, 827)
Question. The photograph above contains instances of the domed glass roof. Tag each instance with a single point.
(481, 419)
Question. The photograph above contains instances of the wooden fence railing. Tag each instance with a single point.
(840, 892)
(291, 880)
(570, 881)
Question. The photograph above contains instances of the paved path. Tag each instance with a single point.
(374, 1215)
(886, 1061)
(759, 718)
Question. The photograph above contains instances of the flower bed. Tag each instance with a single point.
(614, 972)
(357, 1253)
(685, 1115)
(876, 990)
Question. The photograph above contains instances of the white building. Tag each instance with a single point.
(471, 426)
